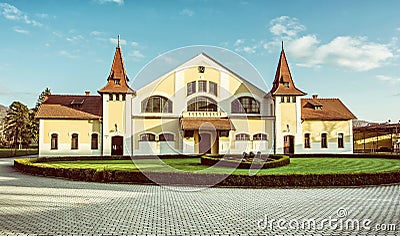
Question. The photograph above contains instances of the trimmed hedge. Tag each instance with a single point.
(219, 161)
(32, 166)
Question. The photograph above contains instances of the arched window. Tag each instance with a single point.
(74, 141)
(95, 141)
(202, 104)
(324, 141)
(307, 141)
(340, 140)
(147, 137)
(54, 141)
(166, 137)
(157, 104)
(245, 105)
(260, 136)
(242, 137)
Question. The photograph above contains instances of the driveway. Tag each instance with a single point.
(49, 206)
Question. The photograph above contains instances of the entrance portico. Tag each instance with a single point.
(202, 131)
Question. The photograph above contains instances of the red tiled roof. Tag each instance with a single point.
(283, 75)
(206, 123)
(117, 72)
(332, 109)
(71, 107)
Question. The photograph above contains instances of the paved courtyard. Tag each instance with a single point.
(31, 205)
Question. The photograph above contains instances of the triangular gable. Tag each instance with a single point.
(204, 59)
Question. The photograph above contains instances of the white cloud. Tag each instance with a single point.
(247, 49)
(186, 12)
(75, 39)
(135, 44)
(42, 15)
(355, 53)
(20, 30)
(115, 41)
(136, 53)
(67, 54)
(119, 2)
(10, 12)
(96, 33)
(388, 79)
(286, 27)
(238, 42)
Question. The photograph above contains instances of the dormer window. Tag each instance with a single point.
(77, 103)
(318, 107)
(117, 81)
(286, 84)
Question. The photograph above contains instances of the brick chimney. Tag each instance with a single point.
(87, 93)
(315, 96)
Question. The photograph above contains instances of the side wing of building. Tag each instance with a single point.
(70, 126)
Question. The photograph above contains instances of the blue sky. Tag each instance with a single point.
(345, 49)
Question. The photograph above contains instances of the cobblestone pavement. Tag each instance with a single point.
(49, 206)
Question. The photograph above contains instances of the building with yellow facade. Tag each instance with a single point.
(199, 107)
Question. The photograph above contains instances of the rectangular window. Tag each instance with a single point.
(191, 88)
(340, 140)
(110, 97)
(282, 99)
(294, 99)
(307, 141)
(224, 133)
(188, 133)
(54, 141)
(74, 141)
(202, 86)
(324, 141)
(116, 97)
(288, 99)
(213, 88)
(95, 141)
(272, 109)
(123, 97)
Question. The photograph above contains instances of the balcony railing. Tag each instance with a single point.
(205, 114)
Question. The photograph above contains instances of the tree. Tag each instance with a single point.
(41, 97)
(33, 126)
(16, 124)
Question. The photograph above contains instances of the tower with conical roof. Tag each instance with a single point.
(287, 108)
(117, 109)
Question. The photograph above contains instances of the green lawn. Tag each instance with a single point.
(5, 152)
(297, 165)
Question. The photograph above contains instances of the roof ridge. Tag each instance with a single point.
(70, 95)
(321, 98)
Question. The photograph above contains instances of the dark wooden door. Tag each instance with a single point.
(117, 147)
(204, 143)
